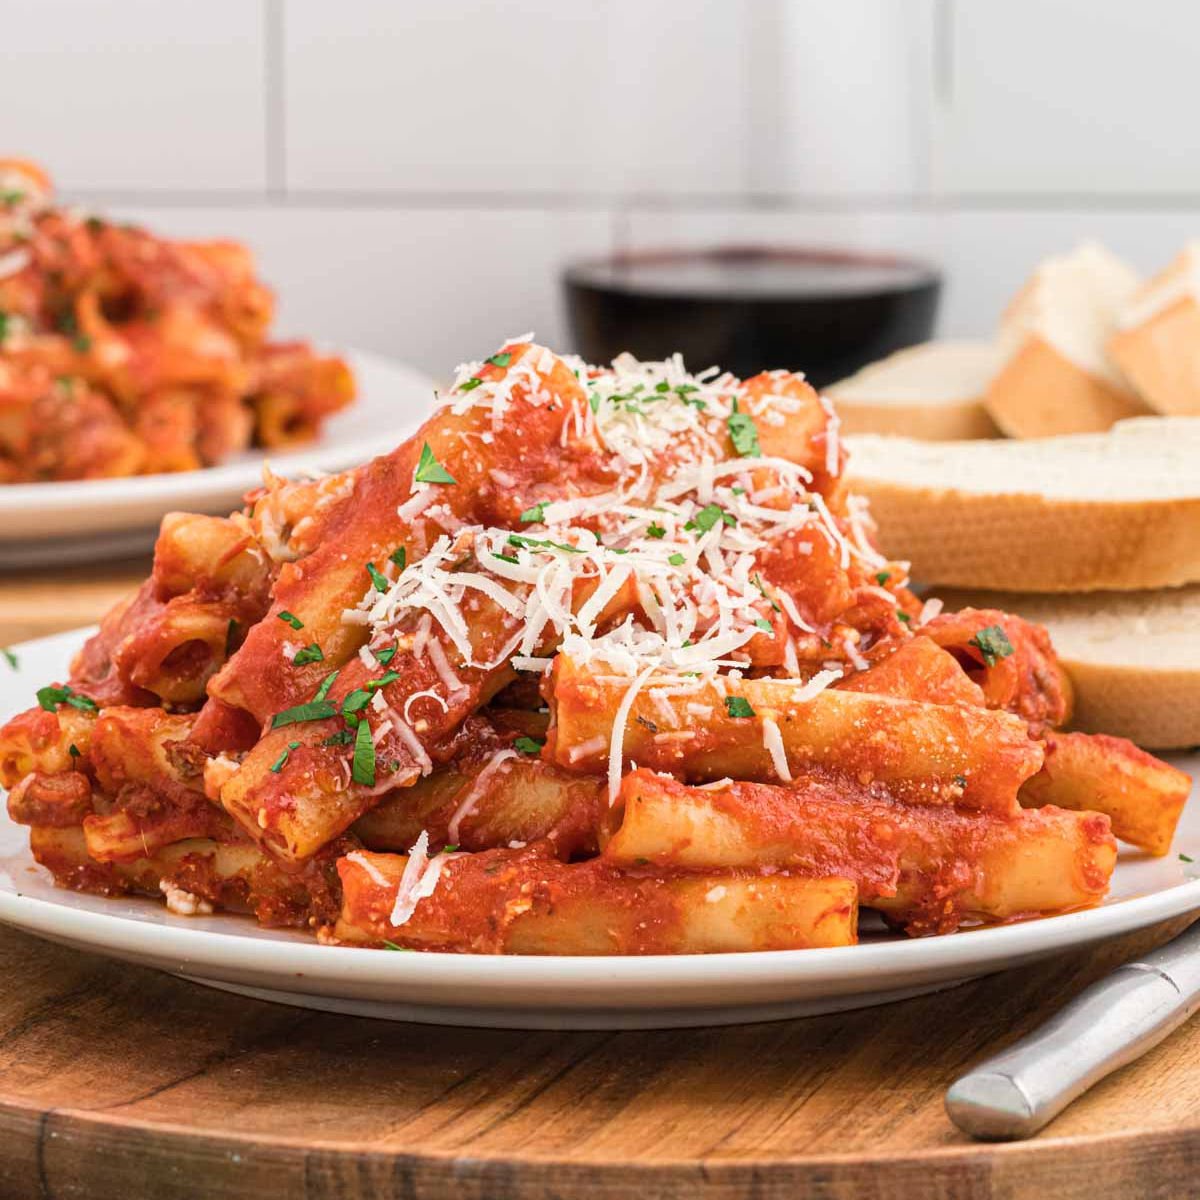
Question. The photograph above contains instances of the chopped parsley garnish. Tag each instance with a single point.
(471, 384)
(765, 625)
(314, 710)
(343, 737)
(756, 579)
(429, 470)
(355, 702)
(881, 577)
(362, 769)
(499, 360)
(1186, 858)
(676, 560)
(326, 684)
(656, 531)
(708, 516)
(290, 619)
(231, 633)
(3, 326)
(527, 543)
(14, 196)
(450, 849)
(10, 658)
(594, 402)
(528, 745)
(50, 698)
(738, 706)
(377, 578)
(903, 616)
(743, 433)
(278, 764)
(385, 656)
(536, 513)
(401, 949)
(73, 750)
(399, 556)
(309, 654)
(508, 558)
(384, 679)
(992, 642)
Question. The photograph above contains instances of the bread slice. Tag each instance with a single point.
(1117, 510)
(933, 392)
(1056, 376)
(1157, 342)
(1134, 657)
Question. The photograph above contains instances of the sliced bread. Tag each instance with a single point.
(933, 392)
(1085, 512)
(1134, 657)
(1157, 341)
(1056, 376)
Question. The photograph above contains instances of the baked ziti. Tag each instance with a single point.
(601, 661)
(124, 353)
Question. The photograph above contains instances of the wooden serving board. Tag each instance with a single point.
(120, 1082)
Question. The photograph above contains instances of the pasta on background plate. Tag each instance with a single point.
(123, 353)
(601, 661)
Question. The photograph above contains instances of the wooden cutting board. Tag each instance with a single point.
(120, 1082)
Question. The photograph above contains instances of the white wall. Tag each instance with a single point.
(413, 173)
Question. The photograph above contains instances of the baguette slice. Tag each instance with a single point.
(1087, 512)
(933, 392)
(1157, 342)
(1056, 376)
(1134, 657)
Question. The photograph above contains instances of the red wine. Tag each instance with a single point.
(749, 309)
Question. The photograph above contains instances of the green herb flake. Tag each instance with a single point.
(992, 642)
(743, 433)
(355, 702)
(508, 558)
(73, 750)
(536, 513)
(470, 385)
(343, 737)
(1186, 858)
(50, 698)
(326, 684)
(385, 656)
(499, 360)
(384, 679)
(903, 616)
(399, 556)
(362, 770)
(450, 849)
(528, 745)
(765, 625)
(960, 780)
(10, 657)
(738, 706)
(676, 560)
(314, 710)
(656, 531)
(400, 949)
(377, 578)
(309, 654)
(279, 763)
(290, 619)
(882, 577)
(429, 470)
(708, 516)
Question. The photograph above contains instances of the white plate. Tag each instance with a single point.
(42, 523)
(544, 993)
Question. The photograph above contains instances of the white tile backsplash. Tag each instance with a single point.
(523, 97)
(138, 94)
(432, 287)
(1075, 96)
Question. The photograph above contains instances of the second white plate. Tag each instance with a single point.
(555, 993)
(46, 523)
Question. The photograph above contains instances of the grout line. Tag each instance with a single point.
(275, 99)
(395, 200)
